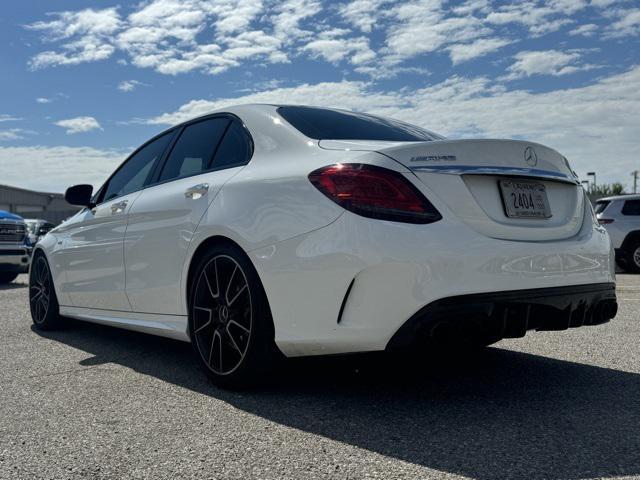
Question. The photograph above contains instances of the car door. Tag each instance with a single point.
(205, 155)
(92, 246)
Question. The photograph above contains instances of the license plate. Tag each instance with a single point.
(524, 199)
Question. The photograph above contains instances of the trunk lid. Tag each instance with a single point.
(471, 177)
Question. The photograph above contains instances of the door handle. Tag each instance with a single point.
(119, 207)
(197, 191)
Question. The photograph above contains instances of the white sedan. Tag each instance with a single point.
(263, 230)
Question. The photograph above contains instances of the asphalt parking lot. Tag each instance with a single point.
(97, 402)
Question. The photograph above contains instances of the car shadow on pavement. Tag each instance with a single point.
(492, 414)
(12, 285)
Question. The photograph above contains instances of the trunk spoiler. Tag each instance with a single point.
(496, 170)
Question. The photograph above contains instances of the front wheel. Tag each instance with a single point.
(230, 322)
(43, 302)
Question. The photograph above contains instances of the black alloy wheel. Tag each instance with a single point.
(42, 296)
(229, 320)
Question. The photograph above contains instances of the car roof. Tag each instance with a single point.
(631, 196)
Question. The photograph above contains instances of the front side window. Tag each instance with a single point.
(132, 175)
(325, 124)
(631, 207)
(194, 149)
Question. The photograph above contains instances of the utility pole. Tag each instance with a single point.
(594, 185)
(634, 174)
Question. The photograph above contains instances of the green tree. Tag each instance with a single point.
(607, 189)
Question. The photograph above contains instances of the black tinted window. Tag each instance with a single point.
(631, 207)
(320, 123)
(600, 206)
(235, 148)
(132, 175)
(194, 149)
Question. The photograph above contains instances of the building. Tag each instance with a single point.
(29, 204)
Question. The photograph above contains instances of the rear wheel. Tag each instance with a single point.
(7, 277)
(43, 302)
(229, 319)
(632, 263)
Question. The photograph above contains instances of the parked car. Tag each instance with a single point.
(38, 228)
(621, 217)
(262, 230)
(15, 248)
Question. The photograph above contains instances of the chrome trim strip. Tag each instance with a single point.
(479, 170)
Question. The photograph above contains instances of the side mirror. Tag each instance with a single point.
(79, 195)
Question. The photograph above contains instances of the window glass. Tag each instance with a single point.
(631, 207)
(194, 149)
(132, 175)
(321, 123)
(234, 148)
(601, 205)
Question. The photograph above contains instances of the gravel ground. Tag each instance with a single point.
(97, 402)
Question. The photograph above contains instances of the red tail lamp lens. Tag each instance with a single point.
(374, 192)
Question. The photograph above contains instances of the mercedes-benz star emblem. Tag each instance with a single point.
(530, 156)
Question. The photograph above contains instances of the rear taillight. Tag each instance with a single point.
(374, 192)
(605, 221)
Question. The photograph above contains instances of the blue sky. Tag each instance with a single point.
(84, 84)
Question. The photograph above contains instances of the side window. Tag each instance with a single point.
(132, 175)
(234, 148)
(194, 149)
(601, 205)
(631, 207)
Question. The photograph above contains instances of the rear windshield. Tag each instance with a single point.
(600, 206)
(321, 123)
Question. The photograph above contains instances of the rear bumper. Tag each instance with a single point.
(14, 259)
(509, 314)
(350, 286)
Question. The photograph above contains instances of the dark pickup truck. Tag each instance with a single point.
(15, 247)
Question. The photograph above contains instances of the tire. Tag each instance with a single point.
(43, 303)
(230, 322)
(632, 260)
(7, 277)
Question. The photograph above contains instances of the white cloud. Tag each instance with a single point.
(43, 100)
(586, 30)
(627, 23)
(362, 14)
(466, 51)
(91, 31)
(334, 47)
(12, 134)
(130, 85)
(8, 118)
(179, 36)
(78, 124)
(475, 108)
(540, 19)
(472, 6)
(422, 27)
(56, 168)
(547, 62)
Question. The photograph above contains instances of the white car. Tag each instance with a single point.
(621, 217)
(263, 230)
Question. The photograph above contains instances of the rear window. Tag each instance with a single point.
(631, 207)
(600, 206)
(321, 123)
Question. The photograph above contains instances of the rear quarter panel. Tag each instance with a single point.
(271, 199)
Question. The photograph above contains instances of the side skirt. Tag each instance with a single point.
(170, 326)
